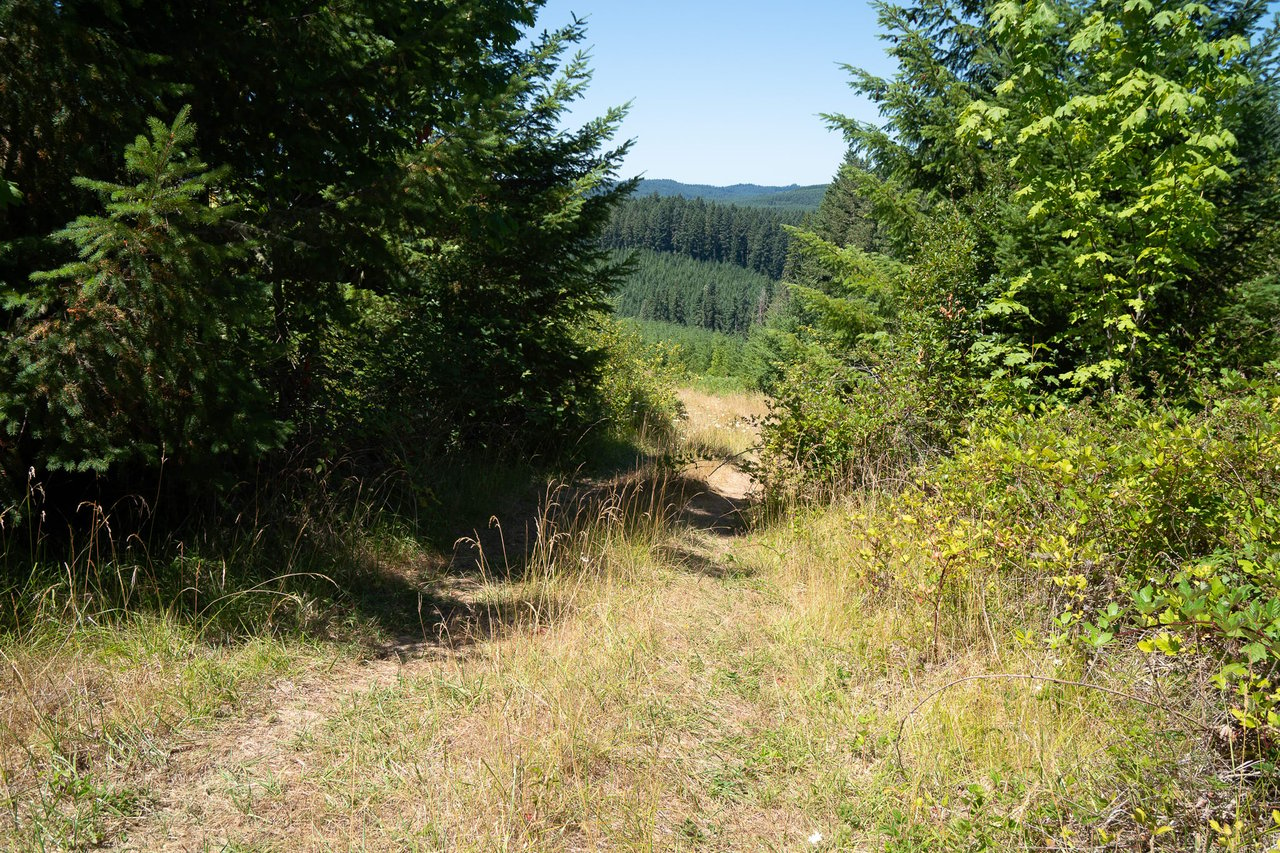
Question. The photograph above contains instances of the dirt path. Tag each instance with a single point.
(260, 782)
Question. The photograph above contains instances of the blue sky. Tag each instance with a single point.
(727, 92)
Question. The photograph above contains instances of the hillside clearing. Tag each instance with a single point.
(656, 679)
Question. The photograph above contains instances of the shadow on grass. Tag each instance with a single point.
(700, 563)
(385, 561)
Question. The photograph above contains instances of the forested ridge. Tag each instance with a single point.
(337, 509)
(793, 197)
(752, 238)
(699, 263)
(672, 288)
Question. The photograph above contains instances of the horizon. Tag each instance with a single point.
(792, 185)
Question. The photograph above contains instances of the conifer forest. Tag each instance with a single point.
(383, 466)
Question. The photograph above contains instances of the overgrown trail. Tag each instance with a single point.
(563, 728)
(632, 667)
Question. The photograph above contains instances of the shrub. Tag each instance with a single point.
(834, 424)
(638, 380)
(1141, 524)
(896, 360)
(136, 351)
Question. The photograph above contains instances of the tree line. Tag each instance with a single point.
(748, 237)
(711, 295)
(793, 197)
(1064, 199)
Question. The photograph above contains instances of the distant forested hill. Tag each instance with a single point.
(750, 237)
(793, 197)
(711, 295)
(707, 257)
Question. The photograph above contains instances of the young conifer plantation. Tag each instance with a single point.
(379, 470)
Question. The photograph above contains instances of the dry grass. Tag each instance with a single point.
(721, 426)
(593, 732)
(702, 695)
(85, 712)
(642, 684)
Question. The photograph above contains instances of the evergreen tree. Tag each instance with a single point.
(507, 265)
(753, 238)
(401, 242)
(138, 351)
(717, 296)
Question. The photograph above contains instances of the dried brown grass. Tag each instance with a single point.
(623, 680)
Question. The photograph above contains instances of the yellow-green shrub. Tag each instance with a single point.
(1142, 524)
(637, 381)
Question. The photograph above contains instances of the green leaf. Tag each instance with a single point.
(1255, 652)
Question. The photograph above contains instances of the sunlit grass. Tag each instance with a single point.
(721, 426)
(86, 712)
(619, 681)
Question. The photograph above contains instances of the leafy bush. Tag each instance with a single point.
(1139, 524)
(834, 423)
(1248, 333)
(638, 381)
(694, 350)
(895, 361)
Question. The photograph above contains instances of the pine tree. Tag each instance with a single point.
(507, 264)
(138, 350)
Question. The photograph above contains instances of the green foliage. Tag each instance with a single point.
(889, 370)
(1116, 162)
(1046, 198)
(748, 237)
(819, 429)
(54, 55)
(1112, 117)
(858, 297)
(135, 351)
(1246, 335)
(701, 354)
(833, 424)
(506, 265)
(944, 62)
(1144, 526)
(719, 297)
(639, 381)
(398, 249)
(9, 194)
(847, 216)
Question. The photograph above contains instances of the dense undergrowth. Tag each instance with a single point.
(1137, 542)
(1040, 387)
(1154, 527)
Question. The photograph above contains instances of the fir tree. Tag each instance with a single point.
(136, 351)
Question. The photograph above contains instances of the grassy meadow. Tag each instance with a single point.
(657, 664)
